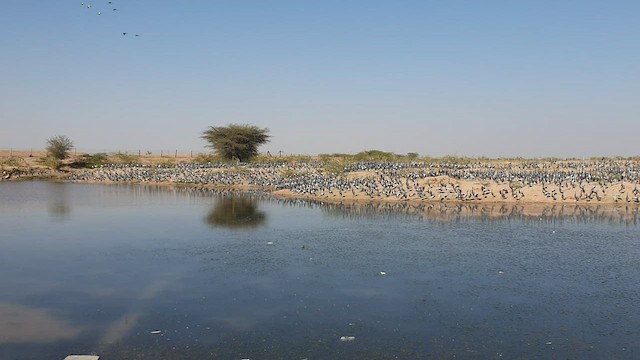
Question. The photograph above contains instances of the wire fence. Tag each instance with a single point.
(164, 153)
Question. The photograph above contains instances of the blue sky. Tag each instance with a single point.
(468, 78)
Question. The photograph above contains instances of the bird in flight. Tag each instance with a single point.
(103, 10)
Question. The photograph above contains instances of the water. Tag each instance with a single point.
(136, 272)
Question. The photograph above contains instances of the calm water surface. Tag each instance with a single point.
(135, 272)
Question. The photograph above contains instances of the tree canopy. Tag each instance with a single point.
(58, 146)
(236, 141)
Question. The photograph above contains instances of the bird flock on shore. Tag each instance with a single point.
(561, 181)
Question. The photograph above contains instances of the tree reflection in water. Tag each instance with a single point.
(59, 208)
(235, 212)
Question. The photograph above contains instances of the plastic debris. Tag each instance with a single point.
(269, 242)
(156, 332)
(383, 273)
(500, 272)
(347, 338)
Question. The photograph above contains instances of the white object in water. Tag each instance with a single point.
(383, 273)
(82, 357)
(347, 338)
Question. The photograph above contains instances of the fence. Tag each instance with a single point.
(163, 153)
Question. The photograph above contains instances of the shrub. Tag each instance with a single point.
(52, 162)
(91, 161)
(58, 147)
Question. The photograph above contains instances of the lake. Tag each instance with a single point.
(144, 272)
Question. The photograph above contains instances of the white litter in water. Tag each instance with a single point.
(156, 332)
(383, 273)
(347, 338)
(269, 242)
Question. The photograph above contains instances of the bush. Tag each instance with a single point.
(207, 158)
(91, 161)
(52, 162)
(58, 147)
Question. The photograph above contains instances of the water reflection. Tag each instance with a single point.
(235, 211)
(22, 324)
(58, 207)
(626, 214)
(449, 212)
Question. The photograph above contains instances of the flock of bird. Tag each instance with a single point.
(560, 181)
(104, 9)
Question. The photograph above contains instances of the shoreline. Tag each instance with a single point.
(606, 181)
(335, 198)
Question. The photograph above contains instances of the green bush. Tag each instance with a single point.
(91, 160)
(52, 162)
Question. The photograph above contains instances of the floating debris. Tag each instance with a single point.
(347, 338)
(383, 273)
(156, 332)
(269, 242)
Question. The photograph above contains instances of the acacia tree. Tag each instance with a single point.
(58, 147)
(236, 141)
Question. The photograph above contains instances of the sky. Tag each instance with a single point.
(538, 78)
